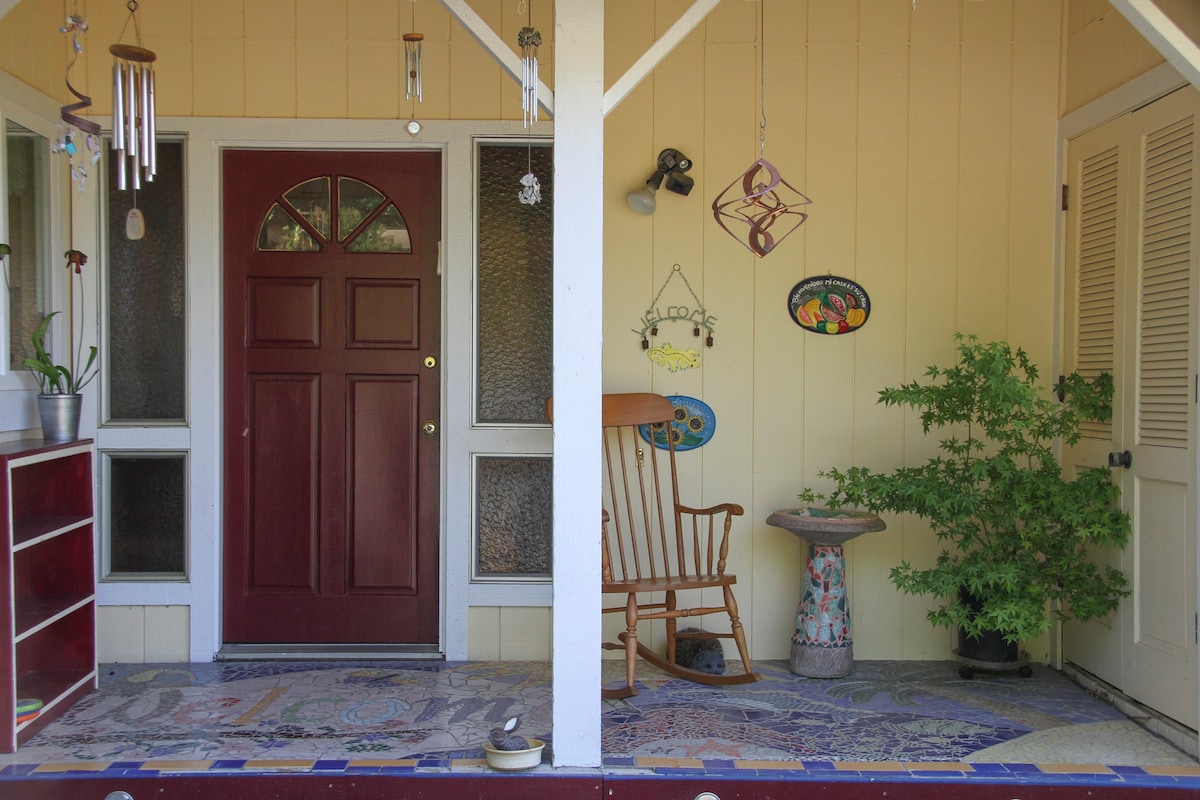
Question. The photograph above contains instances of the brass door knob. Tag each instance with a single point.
(430, 362)
(429, 428)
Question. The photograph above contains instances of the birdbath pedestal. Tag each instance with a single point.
(821, 646)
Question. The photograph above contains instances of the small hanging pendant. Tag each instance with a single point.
(135, 224)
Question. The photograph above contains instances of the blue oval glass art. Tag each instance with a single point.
(693, 427)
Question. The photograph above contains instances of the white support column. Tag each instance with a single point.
(578, 284)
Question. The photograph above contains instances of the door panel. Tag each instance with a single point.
(332, 300)
(1143, 229)
(1097, 222)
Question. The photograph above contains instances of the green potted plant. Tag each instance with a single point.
(60, 386)
(1016, 530)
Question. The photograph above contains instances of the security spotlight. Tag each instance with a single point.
(671, 166)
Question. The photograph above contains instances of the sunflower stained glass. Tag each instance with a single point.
(693, 427)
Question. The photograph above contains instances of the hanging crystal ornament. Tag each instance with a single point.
(531, 190)
(529, 40)
(79, 131)
(134, 121)
(762, 199)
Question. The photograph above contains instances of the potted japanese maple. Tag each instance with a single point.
(1016, 531)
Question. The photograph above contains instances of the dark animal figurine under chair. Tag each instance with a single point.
(701, 655)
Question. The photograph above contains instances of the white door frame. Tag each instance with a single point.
(200, 437)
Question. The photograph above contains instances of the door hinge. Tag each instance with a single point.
(1059, 392)
(1064, 197)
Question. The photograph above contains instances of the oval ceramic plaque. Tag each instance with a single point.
(694, 425)
(829, 304)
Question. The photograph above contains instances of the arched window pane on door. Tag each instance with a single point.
(388, 233)
(311, 199)
(280, 232)
(516, 272)
(359, 219)
(356, 201)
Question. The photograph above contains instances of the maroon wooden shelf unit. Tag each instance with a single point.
(47, 581)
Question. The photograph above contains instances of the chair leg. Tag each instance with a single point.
(672, 627)
(735, 627)
(631, 622)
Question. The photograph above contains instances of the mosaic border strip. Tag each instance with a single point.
(664, 768)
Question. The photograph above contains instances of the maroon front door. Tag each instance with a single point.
(331, 398)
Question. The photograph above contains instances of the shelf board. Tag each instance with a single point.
(34, 615)
(35, 530)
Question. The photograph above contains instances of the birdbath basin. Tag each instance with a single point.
(826, 527)
(822, 646)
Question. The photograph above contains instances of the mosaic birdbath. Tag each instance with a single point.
(821, 646)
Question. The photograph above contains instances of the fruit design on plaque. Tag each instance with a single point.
(829, 304)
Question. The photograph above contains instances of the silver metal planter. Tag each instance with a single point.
(60, 416)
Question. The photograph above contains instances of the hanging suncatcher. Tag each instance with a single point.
(765, 200)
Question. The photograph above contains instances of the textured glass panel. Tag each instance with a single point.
(147, 345)
(311, 199)
(356, 201)
(514, 518)
(26, 229)
(515, 286)
(146, 517)
(387, 234)
(281, 232)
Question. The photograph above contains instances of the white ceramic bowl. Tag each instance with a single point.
(515, 759)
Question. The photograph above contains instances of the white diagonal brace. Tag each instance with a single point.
(500, 51)
(1157, 28)
(657, 52)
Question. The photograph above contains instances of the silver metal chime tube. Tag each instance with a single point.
(118, 116)
(152, 125)
(144, 113)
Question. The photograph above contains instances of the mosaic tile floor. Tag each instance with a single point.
(901, 717)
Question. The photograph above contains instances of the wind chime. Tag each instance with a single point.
(413, 91)
(65, 142)
(134, 126)
(760, 198)
(529, 39)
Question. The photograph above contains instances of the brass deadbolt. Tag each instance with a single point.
(429, 428)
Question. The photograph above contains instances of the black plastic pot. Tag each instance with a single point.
(990, 646)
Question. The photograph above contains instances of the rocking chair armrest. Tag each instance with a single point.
(730, 508)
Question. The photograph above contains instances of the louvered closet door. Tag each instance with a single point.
(1131, 283)
(1098, 217)
(1160, 430)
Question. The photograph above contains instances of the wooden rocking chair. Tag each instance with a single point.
(652, 543)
